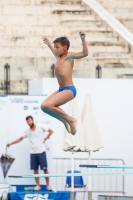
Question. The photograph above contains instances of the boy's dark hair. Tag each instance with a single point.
(63, 41)
(29, 117)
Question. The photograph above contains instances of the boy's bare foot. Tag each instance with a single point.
(73, 125)
(67, 126)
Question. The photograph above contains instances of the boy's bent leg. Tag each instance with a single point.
(50, 96)
(60, 119)
(58, 100)
(57, 117)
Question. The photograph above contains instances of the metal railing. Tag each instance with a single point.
(100, 184)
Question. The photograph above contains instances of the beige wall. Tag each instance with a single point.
(23, 23)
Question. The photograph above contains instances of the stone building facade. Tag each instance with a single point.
(24, 23)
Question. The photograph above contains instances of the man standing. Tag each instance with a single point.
(35, 134)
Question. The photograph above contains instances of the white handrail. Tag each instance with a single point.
(110, 20)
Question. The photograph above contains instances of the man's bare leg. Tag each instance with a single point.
(56, 116)
(37, 179)
(46, 178)
(52, 105)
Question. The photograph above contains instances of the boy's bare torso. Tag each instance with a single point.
(65, 59)
(63, 70)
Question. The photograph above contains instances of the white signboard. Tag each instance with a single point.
(13, 111)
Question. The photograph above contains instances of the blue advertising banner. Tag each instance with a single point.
(64, 195)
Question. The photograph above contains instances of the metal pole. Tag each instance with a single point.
(98, 74)
(52, 67)
(90, 179)
(98, 68)
(7, 79)
(72, 178)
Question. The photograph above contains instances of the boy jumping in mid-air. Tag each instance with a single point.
(63, 71)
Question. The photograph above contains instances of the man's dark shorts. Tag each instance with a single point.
(38, 159)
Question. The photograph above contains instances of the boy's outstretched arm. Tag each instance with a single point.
(84, 52)
(47, 41)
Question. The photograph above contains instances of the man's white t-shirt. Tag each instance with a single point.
(36, 138)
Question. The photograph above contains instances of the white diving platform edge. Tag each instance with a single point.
(70, 174)
(108, 166)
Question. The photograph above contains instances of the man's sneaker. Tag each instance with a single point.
(48, 187)
(37, 188)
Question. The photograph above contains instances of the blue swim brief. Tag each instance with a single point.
(72, 88)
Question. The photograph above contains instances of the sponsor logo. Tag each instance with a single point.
(21, 100)
(26, 189)
(35, 108)
(25, 107)
(36, 197)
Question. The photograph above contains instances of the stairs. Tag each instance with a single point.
(122, 10)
